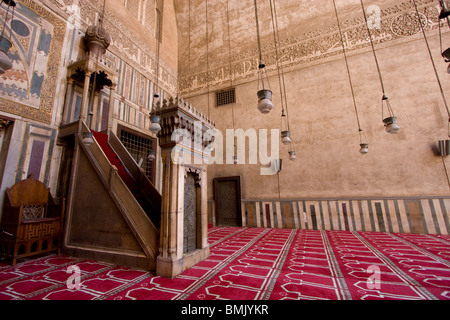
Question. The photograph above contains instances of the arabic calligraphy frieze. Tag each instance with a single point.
(397, 22)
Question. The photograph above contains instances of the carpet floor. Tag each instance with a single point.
(258, 264)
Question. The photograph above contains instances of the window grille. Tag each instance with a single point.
(225, 97)
(139, 148)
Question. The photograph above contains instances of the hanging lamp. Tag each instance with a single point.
(155, 119)
(5, 61)
(442, 144)
(88, 138)
(444, 147)
(5, 43)
(265, 104)
(155, 125)
(235, 156)
(285, 133)
(286, 138)
(292, 155)
(364, 145)
(363, 142)
(444, 15)
(390, 122)
(152, 155)
(445, 12)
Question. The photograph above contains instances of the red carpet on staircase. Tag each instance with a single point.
(257, 264)
(102, 140)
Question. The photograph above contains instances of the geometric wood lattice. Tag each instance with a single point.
(32, 212)
(42, 229)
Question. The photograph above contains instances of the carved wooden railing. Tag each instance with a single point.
(142, 227)
(137, 173)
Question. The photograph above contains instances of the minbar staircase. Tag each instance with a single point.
(143, 191)
(115, 210)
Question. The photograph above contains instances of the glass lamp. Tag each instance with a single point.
(5, 44)
(391, 125)
(363, 142)
(88, 138)
(155, 126)
(390, 122)
(152, 155)
(364, 148)
(292, 155)
(265, 104)
(286, 137)
(444, 14)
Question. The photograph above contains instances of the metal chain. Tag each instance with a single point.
(348, 69)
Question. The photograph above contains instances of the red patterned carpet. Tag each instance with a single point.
(258, 264)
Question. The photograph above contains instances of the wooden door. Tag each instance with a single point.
(190, 214)
(227, 198)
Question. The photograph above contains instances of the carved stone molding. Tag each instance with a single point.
(3, 125)
(397, 22)
(90, 64)
(83, 13)
(196, 171)
(177, 114)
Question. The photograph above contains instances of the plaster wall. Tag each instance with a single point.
(324, 125)
(321, 112)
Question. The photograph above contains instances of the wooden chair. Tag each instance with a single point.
(32, 221)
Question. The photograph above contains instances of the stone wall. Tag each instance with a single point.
(47, 37)
(320, 106)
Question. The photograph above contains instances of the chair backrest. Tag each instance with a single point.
(28, 192)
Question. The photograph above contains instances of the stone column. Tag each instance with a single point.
(85, 99)
(66, 115)
(204, 206)
(171, 216)
(112, 92)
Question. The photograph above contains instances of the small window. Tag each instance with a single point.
(225, 97)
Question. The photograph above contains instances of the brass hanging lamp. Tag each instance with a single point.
(5, 43)
(286, 138)
(364, 145)
(390, 122)
(444, 15)
(265, 104)
(155, 118)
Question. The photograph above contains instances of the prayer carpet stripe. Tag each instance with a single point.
(256, 263)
